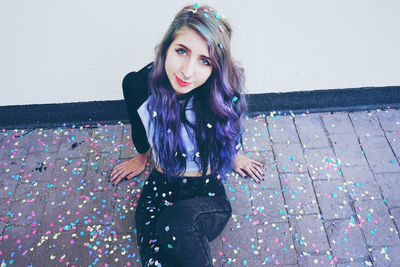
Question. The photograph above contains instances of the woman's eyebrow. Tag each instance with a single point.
(188, 49)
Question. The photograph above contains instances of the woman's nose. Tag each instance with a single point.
(188, 70)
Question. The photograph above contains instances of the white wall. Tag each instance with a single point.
(71, 51)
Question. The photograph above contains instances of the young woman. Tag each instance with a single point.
(186, 106)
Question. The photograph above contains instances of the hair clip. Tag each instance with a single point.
(196, 6)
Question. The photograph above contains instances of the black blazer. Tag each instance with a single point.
(136, 91)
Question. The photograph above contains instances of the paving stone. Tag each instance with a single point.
(26, 212)
(124, 212)
(60, 248)
(299, 193)
(7, 187)
(16, 244)
(97, 243)
(96, 208)
(347, 149)
(38, 167)
(240, 198)
(332, 199)
(396, 217)
(389, 184)
(68, 173)
(375, 222)
(290, 158)
(235, 262)
(311, 131)
(389, 119)
(394, 141)
(2, 225)
(4, 212)
(61, 212)
(361, 263)
(11, 169)
(309, 260)
(282, 130)
(98, 170)
(14, 144)
(276, 243)
(322, 164)
(346, 239)
(309, 234)
(240, 239)
(106, 139)
(379, 154)
(75, 142)
(268, 205)
(217, 251)
(386, 256)
(44, 140)
(31, 192)
(124, 251)
(360, 183)
(66, 209)
(256, 134)
(337, 122)
(366, 123)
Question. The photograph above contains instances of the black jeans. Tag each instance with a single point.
(177, 216)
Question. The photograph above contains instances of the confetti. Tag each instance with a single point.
(313, 206)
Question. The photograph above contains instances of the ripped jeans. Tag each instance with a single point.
(177, 216)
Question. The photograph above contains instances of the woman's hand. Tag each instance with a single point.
(242, 164)
(129, 169)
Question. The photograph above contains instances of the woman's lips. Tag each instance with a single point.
(180, 82)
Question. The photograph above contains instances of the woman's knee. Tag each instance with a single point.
(174, 219)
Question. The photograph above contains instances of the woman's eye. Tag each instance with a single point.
(179, 50)
(206, 62)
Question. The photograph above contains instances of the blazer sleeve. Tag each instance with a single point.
(136, 91)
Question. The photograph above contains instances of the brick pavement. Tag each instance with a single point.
(329, 197)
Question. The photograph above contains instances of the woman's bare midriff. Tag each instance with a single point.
(196, 174)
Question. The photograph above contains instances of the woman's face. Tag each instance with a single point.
(187, 64)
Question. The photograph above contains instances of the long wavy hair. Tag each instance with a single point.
(218, 104)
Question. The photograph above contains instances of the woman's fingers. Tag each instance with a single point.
(255, 174)
(116, 168)
(121, 176)
(118, 180)
(241, 173)
(258, 163)
(258, 172)
(116, 175)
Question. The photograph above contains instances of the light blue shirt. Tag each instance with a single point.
(189, 143)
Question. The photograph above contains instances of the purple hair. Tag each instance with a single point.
(219, 102)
